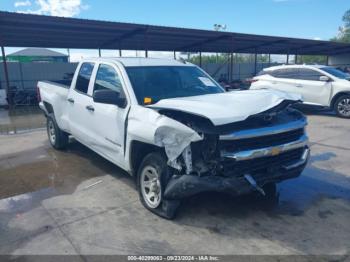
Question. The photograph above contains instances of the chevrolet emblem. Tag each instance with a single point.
(275, 151)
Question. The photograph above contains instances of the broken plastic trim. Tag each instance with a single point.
(253, 183)
(174, 140)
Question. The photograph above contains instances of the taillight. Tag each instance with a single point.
(38, 96)
(251, 80)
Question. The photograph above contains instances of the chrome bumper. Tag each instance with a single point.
(264, 131)
(301, 162)
(267, 151)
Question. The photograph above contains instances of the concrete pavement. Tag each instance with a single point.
(75, 202)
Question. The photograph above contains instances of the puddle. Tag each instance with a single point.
(43, 167)
(21, 119)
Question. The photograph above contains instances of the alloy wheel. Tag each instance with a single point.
(151, 187)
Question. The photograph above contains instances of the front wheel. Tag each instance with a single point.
(152, 178)
(58, 138)
(342, 106)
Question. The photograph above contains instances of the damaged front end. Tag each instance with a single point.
(235, 158)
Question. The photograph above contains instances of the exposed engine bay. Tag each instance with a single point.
(210, 156)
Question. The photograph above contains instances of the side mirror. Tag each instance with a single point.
(107, 96)
(325, 79)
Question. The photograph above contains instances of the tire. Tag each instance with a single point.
(152, 177)
(58, 138)
(342, 106)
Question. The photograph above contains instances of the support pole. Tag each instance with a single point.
(255, 63)
(288, 59)
(327, 60)
(296, 59)
(6, 74)
(68, 51)
(269, 60)
(146, 42)
(174, 55)
(231, 66)
(200, 59)
(99, 52)
(120, 48)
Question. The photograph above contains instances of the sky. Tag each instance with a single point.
(313, 19)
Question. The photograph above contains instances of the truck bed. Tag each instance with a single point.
(55, 95)
(62, 83)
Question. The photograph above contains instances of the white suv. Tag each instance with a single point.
(318, 85)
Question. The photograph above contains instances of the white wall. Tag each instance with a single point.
(339, 60)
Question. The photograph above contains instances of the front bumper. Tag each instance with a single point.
(183, 186)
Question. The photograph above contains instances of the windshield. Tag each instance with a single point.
(153, 83)
(335, 72)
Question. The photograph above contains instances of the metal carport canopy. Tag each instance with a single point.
(27, 30)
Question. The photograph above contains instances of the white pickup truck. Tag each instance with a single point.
(172, 126)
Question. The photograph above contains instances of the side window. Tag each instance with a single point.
(291, 73)
(277, 73)
(84, 76)
(107, 78)
(309, 74)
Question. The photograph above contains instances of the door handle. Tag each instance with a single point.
(90, 108)
(299, 85)
(70, 100)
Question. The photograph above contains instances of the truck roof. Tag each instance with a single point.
(141, 61)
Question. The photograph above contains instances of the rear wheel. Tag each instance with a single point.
(58, 138)
(342, 106)
(152, 178)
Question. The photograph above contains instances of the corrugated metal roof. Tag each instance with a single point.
(37, 52)
(59, 32)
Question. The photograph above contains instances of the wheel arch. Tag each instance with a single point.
(48, 108)
(335, 98)
(138, 150)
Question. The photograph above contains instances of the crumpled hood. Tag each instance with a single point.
(229, 107)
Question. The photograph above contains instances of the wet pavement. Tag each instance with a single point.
(21, 119)
(75, 202)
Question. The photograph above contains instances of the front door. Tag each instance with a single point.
(109, 120)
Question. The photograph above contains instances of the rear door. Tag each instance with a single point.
(312, 89)
(285, 79)
(78, 100)
(108, 122)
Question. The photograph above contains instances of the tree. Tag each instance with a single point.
(344, 31)
(312, 59)
(225, 58)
